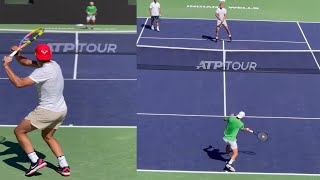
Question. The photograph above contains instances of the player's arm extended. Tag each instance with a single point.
(246, 129)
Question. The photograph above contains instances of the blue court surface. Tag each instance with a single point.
(181, 106)
(100, 78)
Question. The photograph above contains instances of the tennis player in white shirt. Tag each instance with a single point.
(155, 12)
(221, 14)
(51, 111)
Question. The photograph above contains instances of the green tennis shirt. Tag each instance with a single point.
(91, 9)
(232, 128)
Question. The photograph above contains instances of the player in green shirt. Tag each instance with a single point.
(234, 124)
(91, 11)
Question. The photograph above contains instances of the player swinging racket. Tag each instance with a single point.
(91, 11)
(234, 124)
(51, 111)
(221, 14)
(155, 12)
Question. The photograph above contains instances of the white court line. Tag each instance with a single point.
(210, 19)
(240, 40)
(71, 126)
(220, 116)
(101, 79)
(271, 50)
(75, 68)
(80, 32)
(314, 57)
(224, 81)
(144, 25)
(71, 79)
(178, 48)
(231, 173)
(220, 50)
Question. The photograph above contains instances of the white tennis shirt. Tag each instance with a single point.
(221, 13)
(50, 83)
(155, 9)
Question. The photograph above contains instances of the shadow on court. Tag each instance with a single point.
(208, 37)
(14, 148)
(146, 26)
(216, 154)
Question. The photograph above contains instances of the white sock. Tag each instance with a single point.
(33, 157)
(231, 161)
(62, 161)
(229, 35)
(152, 26)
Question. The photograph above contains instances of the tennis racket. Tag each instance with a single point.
(260, 135)
(28, 39)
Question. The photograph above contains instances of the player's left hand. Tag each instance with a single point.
(7, 60)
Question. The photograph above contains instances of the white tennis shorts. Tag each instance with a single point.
(233, 144)
(224, 23)
(91, 17)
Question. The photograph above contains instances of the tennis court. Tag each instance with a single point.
(99, 132)
(181, 108)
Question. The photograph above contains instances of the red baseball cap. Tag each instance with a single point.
(43, 52)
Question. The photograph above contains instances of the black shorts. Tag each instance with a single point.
(154, 18)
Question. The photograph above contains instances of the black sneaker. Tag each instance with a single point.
(230, 167)
(64, 171)
(230, 39)
(34, 167)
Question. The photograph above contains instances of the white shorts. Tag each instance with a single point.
(224, 23)
(233, 144)
(91, 17)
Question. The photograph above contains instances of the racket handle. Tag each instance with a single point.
(13, 53)
(251, 131)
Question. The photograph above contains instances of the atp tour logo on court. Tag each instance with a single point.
(83, 47)
(228, 65)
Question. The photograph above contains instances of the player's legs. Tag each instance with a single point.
(157, 23)
(234, 155)
(217, 33)
(48, 137)
(228, 149)
(21, 134)
(93, 21)
(152, 21)
(228, 31)
(88, 21)
(234, 147)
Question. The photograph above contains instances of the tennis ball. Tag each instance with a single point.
(263, 136)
